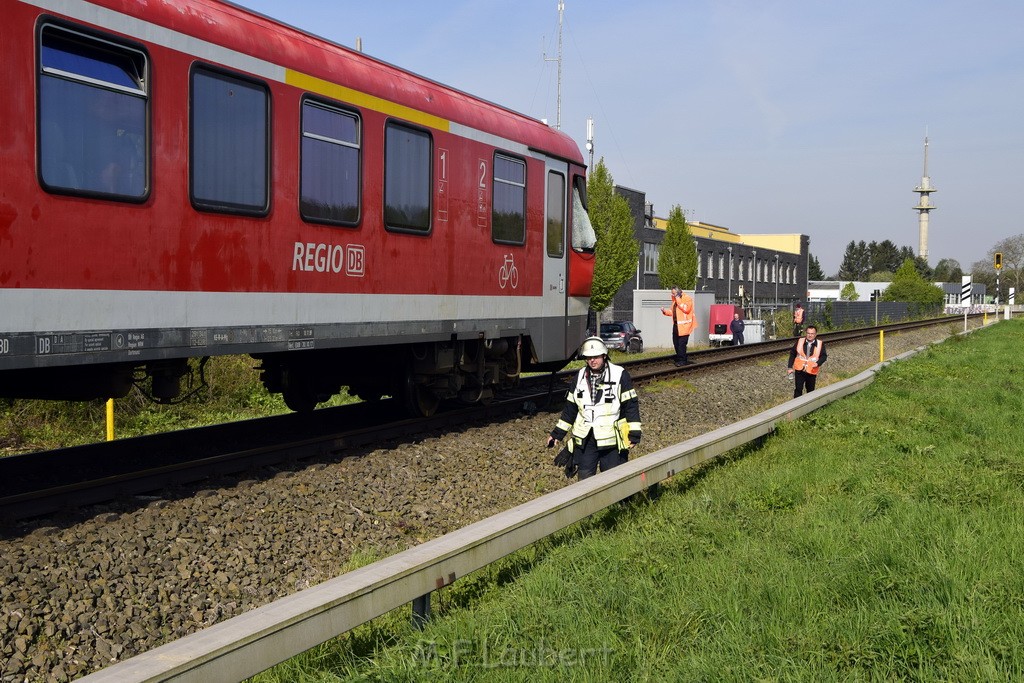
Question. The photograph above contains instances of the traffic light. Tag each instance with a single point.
(998, 260)
(875, 294)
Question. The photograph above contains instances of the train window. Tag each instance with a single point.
(583, 236)
(556, 214)
(407, 183)
(330, 164)
(229, 143)
(508, 211)
(93, 100)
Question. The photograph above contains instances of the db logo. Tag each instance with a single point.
(355, 260)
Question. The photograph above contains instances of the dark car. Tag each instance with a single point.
(623, 336)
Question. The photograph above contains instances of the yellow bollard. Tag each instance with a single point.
(881, 346)
(984, 318)
(110, 419)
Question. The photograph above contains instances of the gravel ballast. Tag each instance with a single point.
(78, 598)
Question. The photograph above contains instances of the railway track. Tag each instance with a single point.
(142, 570)
(66, 481)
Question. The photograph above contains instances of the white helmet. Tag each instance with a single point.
(593, 347)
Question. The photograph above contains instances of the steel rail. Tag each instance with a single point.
(102, 472)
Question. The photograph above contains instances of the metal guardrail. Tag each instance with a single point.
(249, 643)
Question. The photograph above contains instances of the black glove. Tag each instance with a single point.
(571, 469)
(565, 459)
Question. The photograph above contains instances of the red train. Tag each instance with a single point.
(188, 179)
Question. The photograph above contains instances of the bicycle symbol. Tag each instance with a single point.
(508, 274)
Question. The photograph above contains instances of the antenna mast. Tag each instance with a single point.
(924, 205)
(558, 110)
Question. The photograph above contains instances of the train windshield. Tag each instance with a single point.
(583, 236)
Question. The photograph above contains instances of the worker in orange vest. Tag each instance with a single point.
(683, 322)
(798, 320)
(805, 360)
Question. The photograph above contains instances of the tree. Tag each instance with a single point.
(1012, 249)
(861, 262)
(982, 273)
(615, 257)
(923, 269)
(908, 285)
(849, 292)
(814, 271)
(677, 259)
(948, 270)
(884, 256)
(856, 263)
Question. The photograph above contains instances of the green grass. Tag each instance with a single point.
(233, 392)
(878, 539)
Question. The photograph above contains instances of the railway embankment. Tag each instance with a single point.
(77, 598)
(875, 539)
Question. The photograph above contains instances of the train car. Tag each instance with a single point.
(188, 179)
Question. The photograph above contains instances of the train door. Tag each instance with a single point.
(556, 341)
(581, 253)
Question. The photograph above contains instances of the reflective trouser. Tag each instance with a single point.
(588, 456)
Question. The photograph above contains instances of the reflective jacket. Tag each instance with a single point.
(802, 361)
(681, 313)
(614, 417)
(798, 316)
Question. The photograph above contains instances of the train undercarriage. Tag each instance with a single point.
(421, 375)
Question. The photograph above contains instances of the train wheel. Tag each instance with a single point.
(419, 400)
(298, 394)
(299, 399)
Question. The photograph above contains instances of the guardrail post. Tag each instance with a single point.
(420, 611)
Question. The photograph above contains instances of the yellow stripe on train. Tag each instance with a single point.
(361, 99)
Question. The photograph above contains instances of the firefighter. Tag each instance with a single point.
(805, 360)
(601, 418)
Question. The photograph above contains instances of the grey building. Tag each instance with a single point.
(754, 270)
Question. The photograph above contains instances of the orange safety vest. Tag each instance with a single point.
(685, 321)
(798, 316)
(802, 362)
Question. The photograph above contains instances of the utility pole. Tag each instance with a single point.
(753, 296)
(776, 282)
(590, 139)
(728, 264)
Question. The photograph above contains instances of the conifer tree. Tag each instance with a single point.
(615, 257)
(677, 259)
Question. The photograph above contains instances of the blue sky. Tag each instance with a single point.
(774, 116)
